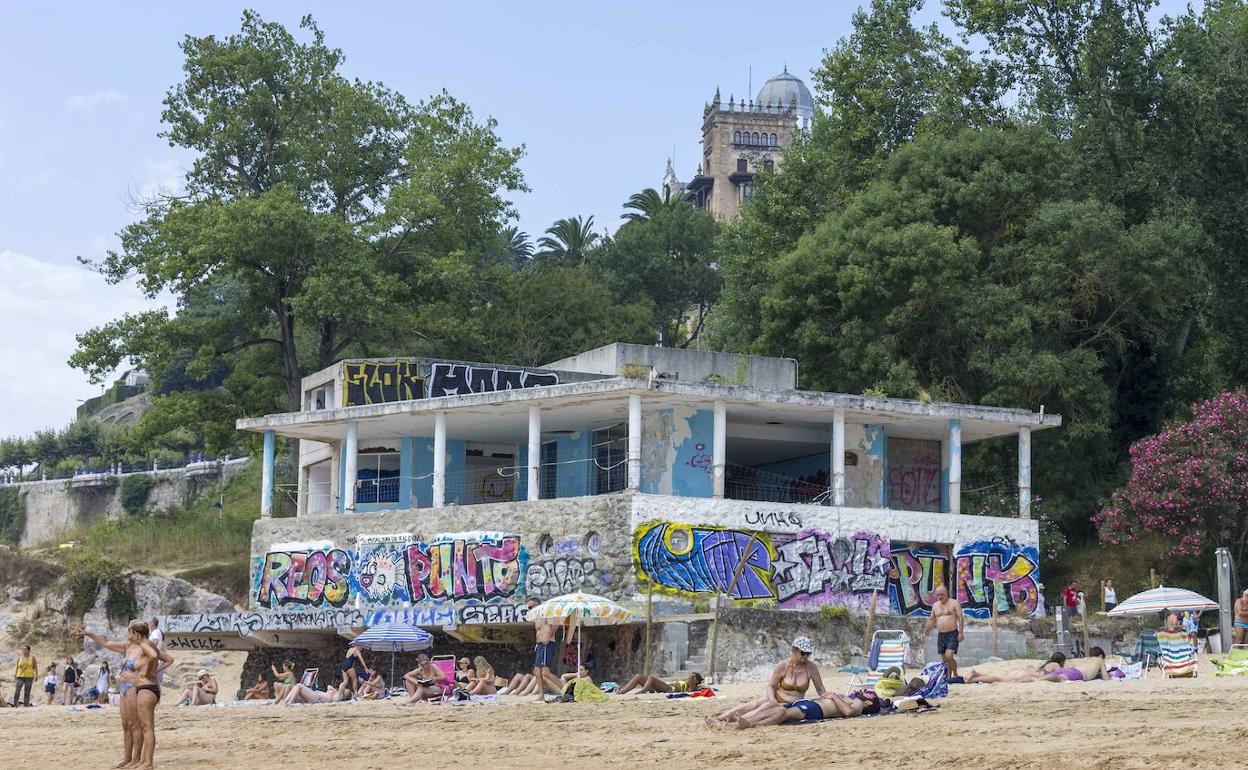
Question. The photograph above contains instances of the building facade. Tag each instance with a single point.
(447, 493)
(741, 139)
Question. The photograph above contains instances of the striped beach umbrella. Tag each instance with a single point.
(396, 638)
(1163, 599)
(582, 610)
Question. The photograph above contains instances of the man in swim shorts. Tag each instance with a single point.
(950, 627)
(544, 654)
(1241, 618)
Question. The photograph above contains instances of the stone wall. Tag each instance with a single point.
(56, 507)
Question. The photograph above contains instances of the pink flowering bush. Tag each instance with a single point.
(1189, 484)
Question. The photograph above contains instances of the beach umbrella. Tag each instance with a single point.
(1162, 599)
(582, 610)
(395, 637)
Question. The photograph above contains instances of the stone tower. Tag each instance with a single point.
(742, 139)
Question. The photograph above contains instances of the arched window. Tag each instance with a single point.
(756, 138)
(736, 137)
(773, 140)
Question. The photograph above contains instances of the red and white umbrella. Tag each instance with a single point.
(1163, 599)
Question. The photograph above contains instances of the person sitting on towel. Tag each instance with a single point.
(648, 683)
(790, 679)
(829, 706)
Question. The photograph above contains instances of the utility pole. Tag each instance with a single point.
(1222, 557)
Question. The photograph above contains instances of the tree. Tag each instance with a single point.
(45, 449)
(14, 454)
(81, 439)
(648, 204)
(317, 211)
(517, 246)
(668, 259)
(567, 241)
(549, 311)
(1188, 484)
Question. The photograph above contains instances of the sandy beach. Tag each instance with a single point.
(1150, 723)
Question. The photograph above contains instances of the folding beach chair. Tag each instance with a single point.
(445, 664)
(309, 677)
(1147, 650)
(889, 648)
(1177, 658)
(1235, 664)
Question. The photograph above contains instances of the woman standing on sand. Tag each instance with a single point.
(789, 681)
(139, 692)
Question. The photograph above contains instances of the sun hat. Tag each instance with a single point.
(203, 672)
(803, 644)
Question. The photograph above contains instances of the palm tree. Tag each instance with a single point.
(648, 203)
(517, 246)
(567, 240)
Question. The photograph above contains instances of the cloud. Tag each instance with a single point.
(85, 104)
(42, 306)
(160, 178)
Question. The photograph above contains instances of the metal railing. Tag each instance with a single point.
(115, 469)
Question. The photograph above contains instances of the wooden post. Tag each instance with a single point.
(649, 621)
(994, 622)
(1152, 578)
(866, 634)
(736, 575)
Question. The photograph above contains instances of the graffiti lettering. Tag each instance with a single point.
(999, 571)
(914, 474)
(915, 574)
(690, 559)
(465, 568)
(309, 578)
(814, 568)
(209, 643)
(457, 379)
(559, 576)
(500, 612)
(764, 519)
(381, 382)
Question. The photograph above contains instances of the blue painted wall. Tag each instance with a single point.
(575, 469)
(691, 470)
(876, 448)
(797, 467)
(422, 466)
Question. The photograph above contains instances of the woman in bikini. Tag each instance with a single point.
(353, 668)
(483, 681)
(827, 706)
(139, 692)
(282, 680)
(301, 693)
(425, 681)
(1047, 669)
(645, 683)
(373, 687)
(259, 690)
(789, 681)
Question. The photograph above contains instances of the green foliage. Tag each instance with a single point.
(135, 490)
(183, 538)
(12, 515)
(567, 241)
(86, 573)
(231, 579)
(831, 612)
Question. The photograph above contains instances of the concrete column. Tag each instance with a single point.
(1024, 473)
(838, 457)
(266, 476)
(634, 441)
(719, 450)
(535, 453)
(955, 466)
(352, 459)
(439, 459)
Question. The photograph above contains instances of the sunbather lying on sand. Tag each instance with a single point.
(1046, 669)
(647, 683)
(1082, 669)
(828, 706)
(301, 693)
(789, 681)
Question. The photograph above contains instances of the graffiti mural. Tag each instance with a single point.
(313, 578)
(916, 572)
(381, 382)
(813, 568)
(379, 571)
(981, 573)
(470, 565)
(394, 570)
(553, 577)
(696, 559)
(457, 379)
(914, 474)
(997, 571)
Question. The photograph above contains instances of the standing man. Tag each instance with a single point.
(157, 638)
(27, 667)
(544, 654)
(1241, 624)
(1070, 597)
(950, 628)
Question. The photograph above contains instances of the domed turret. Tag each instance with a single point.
(783, 90)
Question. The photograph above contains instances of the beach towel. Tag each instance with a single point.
(936, 674)
(1236, 663)
(585, 691)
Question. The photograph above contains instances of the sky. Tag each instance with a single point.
(599, 94)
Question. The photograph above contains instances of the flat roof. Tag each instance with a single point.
(598, 403)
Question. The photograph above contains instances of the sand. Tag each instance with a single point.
(1149, 723)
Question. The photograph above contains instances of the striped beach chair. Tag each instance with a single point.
(889, 648)
(1177, 658)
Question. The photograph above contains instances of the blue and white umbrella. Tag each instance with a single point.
(395, 637)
